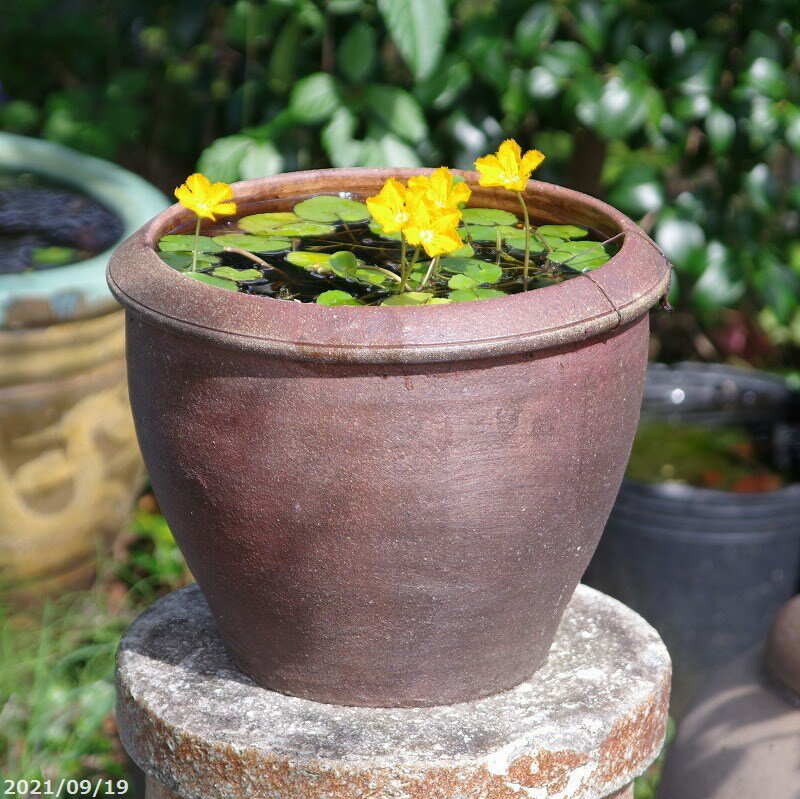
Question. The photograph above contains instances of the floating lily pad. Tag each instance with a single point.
(467, 251)
(312, 261)
(467, 295)
(181, 242)
(479, 271)
(331, 208)
(409, 298)
(537, 245)
(343, 264)
(563, 232)
(53, 256)
(183, 261)
(231, 273)
(462, 282)
(335, 297)
(581, 255)
(219, 282)
(256, 244)
(489, 232)
(283, 223)
(488, 216)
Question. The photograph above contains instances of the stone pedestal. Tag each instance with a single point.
(588, 722)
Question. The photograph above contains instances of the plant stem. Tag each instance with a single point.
(410, 268)
(434, 264)
(527, 241)
(403, 275)
(196, 244)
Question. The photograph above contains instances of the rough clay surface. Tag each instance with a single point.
(592, 718)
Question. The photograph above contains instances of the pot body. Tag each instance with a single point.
(70, 468)
(708, 569)
(397, 534)
(388, 506)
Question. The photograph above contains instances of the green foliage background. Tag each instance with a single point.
(682, 113)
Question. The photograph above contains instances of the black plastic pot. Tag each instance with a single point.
(708, 569)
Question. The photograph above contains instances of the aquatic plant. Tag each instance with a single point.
(412, 243)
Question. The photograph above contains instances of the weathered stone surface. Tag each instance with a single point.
(582, 727)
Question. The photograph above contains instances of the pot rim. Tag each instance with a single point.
(620, 291)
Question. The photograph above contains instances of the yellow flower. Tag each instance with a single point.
(508, 169)
(438, 188)
(388, 206)
(205, 198)
(433, 229)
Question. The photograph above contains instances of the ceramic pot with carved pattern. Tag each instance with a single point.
(70, 468)
(388, 506)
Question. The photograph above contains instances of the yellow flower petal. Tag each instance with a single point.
(508, 169)
(204, 199)
(531, 160)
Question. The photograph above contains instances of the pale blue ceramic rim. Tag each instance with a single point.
(78, 288)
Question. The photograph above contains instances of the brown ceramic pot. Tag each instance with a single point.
(388, 506)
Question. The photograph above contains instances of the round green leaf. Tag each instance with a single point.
(183, 261)
(228, 285)
(343, 263)
(562, 231)
(487, 216)
(460, 281)
(314, 98)
(283, 223)
(582, 255)
(409, 298)
(239, 275)
(489, 232)
(313, 261)
(245, 241)
(184, 242)
(330, 208)
(336, 297)
(467, 295)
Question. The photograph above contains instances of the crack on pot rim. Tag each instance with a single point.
(465, 339)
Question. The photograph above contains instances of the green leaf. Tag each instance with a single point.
(683, 242)
(467, 295)
(462, 282)
(767, 77)
(489, 232)
(581, 255)
(720, 129)
(719, 286)
(185, 243)
(409, 298)
(419, 29)
(562, 231)
(336, 297)
(343, 263)
(183, 261)
(337, 136)
(535, 28)
(260, 160)
(565, 59)
(590, 24)
(283, 223)
(256, 244)
(537, 243)
(357, 51)
(399, 111)
(467, 251)
(488, 217)
(313, 261)
(314, 98)
(479, 271)
(331, 208)
(53, 256)
(231, 273)
(616, 109)
(228, 285)
(222, 159)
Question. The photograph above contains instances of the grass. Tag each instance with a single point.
(57, 661)
(57, 664)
